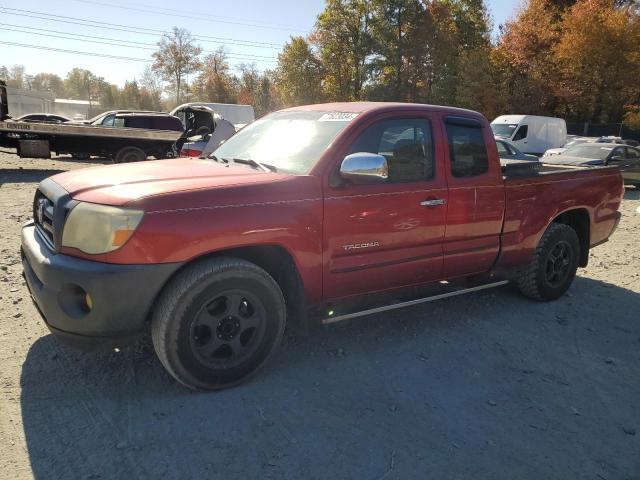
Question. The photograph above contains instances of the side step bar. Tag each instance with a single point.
(409, 303)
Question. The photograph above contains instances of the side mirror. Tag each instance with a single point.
(364, 168)
(617, 158)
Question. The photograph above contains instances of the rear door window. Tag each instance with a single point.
(467, 150)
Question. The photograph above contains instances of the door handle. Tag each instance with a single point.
(433, 203)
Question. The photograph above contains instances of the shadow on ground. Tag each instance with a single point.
(25, 175)
(489, 386)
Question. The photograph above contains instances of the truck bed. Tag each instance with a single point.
(532, 200)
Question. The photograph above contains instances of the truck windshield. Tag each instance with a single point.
(503, 129)
(292, 142)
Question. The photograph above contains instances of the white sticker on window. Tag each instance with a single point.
(337, 117)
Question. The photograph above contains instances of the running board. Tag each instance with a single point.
(418, 301)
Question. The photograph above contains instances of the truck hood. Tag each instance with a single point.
(121, 184)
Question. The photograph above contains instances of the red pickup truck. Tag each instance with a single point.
(309, 210)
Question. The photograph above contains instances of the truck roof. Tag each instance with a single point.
(369, 107)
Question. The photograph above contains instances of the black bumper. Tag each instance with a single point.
(121, 296)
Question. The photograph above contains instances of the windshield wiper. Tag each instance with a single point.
(220, 160)
(264, 166)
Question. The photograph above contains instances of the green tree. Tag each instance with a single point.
(176, 58)
(49, 82)
(298, 76)
(343, 38)
(82, 84)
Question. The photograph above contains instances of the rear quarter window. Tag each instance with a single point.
(137, 122)
(167, 123)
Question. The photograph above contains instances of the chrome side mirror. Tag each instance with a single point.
(364, 168)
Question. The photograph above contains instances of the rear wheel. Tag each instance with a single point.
(553, 265)
(218, 322)
(130, 154)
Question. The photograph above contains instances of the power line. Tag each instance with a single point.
(76, 52)
(129, 28)
(173, 10)
(111, 41)
(205, 18)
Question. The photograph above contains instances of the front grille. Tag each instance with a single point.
(43, 215)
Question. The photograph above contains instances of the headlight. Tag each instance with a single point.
(94, 228)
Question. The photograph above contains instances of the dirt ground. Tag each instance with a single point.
(488, 386)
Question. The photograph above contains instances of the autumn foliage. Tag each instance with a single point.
(579, 59)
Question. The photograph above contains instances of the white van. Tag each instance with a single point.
(531, 134)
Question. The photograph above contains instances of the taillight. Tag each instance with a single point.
(188, 152)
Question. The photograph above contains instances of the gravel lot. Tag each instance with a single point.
(487, 386)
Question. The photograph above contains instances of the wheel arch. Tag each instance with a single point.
(278, 262)
(579, 220)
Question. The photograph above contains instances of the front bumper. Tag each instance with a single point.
(121, 296)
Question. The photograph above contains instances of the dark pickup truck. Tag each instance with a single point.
(331, 211)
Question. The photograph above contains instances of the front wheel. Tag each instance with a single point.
(553, 265)
(217, 322)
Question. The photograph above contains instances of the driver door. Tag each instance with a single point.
(390, 234)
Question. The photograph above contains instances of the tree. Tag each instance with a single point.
(343, 37)
(151, 90)
(82, 84)
(130, 95)
(298, 76)
(215, 82)
(599, 60)
(395, 45)
(16, 76)
(49, 82)
(525, 62)
(176, 58)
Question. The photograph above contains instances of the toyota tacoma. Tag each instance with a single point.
(305, 213)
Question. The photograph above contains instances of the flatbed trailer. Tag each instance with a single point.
(38, 140)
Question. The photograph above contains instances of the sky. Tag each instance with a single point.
(251, 30)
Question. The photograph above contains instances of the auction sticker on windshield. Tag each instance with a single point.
(337, 117)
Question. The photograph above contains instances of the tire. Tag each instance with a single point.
(130, 154)
(218, 322)
(553, 265)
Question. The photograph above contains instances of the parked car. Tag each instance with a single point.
(531, 134)
(507, 151)
(597, 154)
(570, 143)
(43, 118)
(611, 139)
(313, 212)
